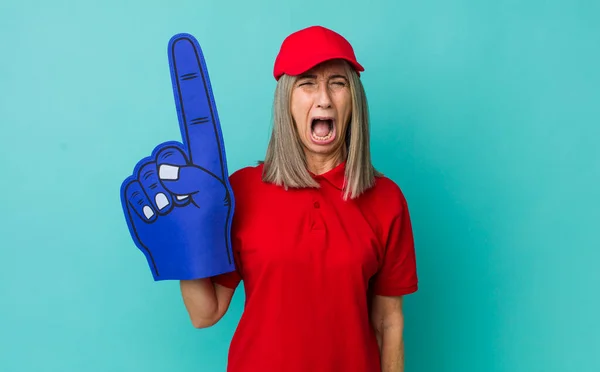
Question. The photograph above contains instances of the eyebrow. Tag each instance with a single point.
(311, 76)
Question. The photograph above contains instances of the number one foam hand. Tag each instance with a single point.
(178, 203)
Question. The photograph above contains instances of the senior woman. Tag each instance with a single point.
(323, 242)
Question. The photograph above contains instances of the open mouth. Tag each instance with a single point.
(322, 130)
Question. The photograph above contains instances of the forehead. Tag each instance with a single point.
(331, 67)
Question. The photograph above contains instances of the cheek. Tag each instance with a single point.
(300, 109)
(344, 105)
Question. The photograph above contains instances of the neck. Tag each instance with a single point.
(319, 163)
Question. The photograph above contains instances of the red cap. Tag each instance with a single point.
(310, 46)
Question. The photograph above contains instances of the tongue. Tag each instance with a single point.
(321, 128)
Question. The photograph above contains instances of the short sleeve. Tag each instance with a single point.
(231, 279)
(397, 274)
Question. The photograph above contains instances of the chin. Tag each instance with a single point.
(330, 148)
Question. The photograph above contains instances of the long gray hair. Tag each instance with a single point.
(285, 161)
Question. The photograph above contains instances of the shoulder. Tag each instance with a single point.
(386, 196)
(389, 190)
(246, 179)
(248, 173)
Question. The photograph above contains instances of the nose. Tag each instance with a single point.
(323, 99)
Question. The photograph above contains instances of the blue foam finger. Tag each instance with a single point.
(190, 238)
(196, 109)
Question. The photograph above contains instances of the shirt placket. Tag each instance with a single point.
(317, 226)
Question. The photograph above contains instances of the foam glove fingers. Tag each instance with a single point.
(168, 161)
(190, 180)
(161, 199)
(138, 202)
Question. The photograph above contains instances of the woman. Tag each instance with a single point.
(323, 243)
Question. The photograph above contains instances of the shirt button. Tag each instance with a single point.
(316, 204)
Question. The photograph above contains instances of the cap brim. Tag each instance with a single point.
(307, 65)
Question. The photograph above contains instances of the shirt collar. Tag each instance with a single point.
(335, 176)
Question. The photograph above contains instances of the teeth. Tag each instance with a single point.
(323, 138)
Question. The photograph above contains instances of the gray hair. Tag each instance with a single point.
(285, 161)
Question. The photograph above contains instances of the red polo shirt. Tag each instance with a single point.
(309, 262)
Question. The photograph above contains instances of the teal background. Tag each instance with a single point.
(486, 113)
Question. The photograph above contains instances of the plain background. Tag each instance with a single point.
(486, 113)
